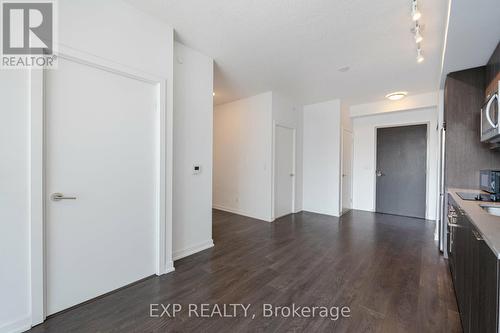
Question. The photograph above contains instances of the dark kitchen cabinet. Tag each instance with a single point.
(484, 286)
(463, 267)
(464, 95)
(485, 289)
(474, 268)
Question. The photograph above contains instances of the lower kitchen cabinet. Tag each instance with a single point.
(474, 267)
(485, 305)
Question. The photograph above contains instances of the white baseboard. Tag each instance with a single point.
(321, 212)
(239, 212)
(20, 325)
(170, 267)
(192, 249)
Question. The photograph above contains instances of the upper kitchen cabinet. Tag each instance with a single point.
(464, 96)
(493, 72)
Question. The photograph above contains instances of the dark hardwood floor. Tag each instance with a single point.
(385, 268)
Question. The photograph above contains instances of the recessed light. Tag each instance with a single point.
(396, 96)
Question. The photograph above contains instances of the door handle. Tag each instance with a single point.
(379, 173)
(292, 174)
(60, 196)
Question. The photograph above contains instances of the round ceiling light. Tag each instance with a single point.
(396, 96)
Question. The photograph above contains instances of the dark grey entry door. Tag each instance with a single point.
(401, 170)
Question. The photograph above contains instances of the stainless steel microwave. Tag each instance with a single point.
(489, 181)
(490, 118)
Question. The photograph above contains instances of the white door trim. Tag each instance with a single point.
(342, 169)
(164, 263)
(273, 178)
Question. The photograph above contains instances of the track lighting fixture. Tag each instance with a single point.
(418, 35)
(420, 57)
(415, 13)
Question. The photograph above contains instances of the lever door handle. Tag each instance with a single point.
(379, 173)
(60, 196)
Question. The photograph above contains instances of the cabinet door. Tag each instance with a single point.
(451, 235)
(475, 315)
(487, 290)
(464, 269)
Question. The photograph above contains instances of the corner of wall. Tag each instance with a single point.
(193, 145)
(195, 248)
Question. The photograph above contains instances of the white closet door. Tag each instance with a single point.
(101, 149)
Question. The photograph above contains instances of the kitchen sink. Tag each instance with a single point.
(493, 210)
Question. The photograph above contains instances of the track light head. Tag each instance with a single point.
(415, 13)
(418, 36)
(420, 56)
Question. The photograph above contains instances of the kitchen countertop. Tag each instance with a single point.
(486, 224)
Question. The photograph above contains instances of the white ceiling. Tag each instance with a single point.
(297, 46)
(473, 34)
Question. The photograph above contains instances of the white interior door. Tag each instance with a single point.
(284, 169)
(101, 144)
(346, 170)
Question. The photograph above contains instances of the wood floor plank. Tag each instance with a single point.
(385, 268)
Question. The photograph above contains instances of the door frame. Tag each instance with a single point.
(294, 168)
(427, 162)
(341, 203)
(37, 172)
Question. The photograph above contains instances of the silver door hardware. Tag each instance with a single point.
(60, 196)
(292, 174)
(477, 235)
(379, 173)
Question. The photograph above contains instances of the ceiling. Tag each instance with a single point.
(473, 34)
(296, 47)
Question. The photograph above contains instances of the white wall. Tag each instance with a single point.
(321, 158)
(14, 228)
(346, 124)
(92, 26)
(286, 113)
(365, 154)
(346, 116)
(193, 135)
(243, 157)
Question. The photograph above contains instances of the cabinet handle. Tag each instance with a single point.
(477, 235)
(454, 225)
